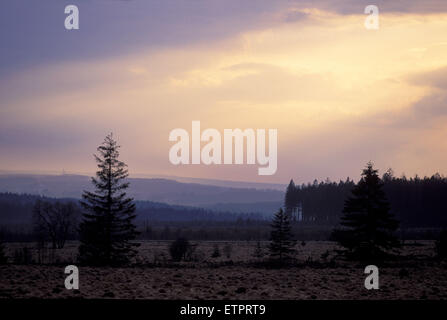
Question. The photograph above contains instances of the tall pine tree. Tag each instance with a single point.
(368, 226)
(107, 230)
(282, 245)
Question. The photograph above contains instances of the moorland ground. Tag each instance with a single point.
(317, 274)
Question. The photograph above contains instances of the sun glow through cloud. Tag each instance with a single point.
(336, 92)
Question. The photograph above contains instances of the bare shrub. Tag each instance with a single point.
(179, 249)
(227, 250)
(216, 252)
(54, 222)
(23, 256)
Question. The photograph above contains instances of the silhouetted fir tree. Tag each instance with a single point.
(282, 244)
(368, 227)
(107, 230)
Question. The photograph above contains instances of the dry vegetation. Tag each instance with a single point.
(317, 275)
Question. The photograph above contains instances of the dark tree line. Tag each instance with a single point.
(320, 202)
(153, 211)
(242, 230)
(17, 209)
(416, 202)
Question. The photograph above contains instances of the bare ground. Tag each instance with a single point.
(419, 277)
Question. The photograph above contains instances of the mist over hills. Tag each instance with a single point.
(219, 198)
(220, 183)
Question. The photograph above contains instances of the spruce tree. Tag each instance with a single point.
(282, 244)
(107, 230)
(368, 227)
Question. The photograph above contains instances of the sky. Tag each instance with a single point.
(338, 94)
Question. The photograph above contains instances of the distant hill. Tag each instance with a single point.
(151, 189)
(17, 209)
(267, 208)
(220, 183)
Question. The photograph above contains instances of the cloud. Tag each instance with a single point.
(294, 15)
(338, 94)
(32, 32)
(431, 109)
(433, 78)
